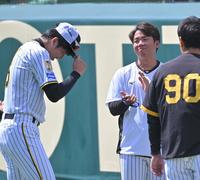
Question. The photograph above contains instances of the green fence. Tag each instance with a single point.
(80, 135)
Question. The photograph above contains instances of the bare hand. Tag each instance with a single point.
(144, 81)
(79, 65)
(157, 165)
(1, 105)
(129, 99)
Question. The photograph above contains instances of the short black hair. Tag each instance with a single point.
(147, 29)
(189, 32)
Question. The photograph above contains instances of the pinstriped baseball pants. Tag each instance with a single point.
(23, 151)
(136, 168)
(187, 168)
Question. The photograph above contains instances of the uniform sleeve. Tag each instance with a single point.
(42, 68)
(117, 107)
(116, 86)
(150, 107)
(154, 134)
(62, 88)
(150, 101)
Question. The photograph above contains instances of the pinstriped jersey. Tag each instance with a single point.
(30, 70)
(134, 138)
(174, 97)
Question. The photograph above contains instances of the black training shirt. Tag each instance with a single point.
(174, 97)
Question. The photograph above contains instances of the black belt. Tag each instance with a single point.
(11, 116)
(143, 156)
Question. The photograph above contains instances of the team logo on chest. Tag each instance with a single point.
(48, 65)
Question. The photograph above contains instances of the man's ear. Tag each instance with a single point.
(181, 44)
(157, 44)
(55, 42)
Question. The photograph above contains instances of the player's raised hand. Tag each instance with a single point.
(79, 65)
(144, 81)
(128, 99)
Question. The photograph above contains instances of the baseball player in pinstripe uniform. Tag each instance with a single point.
(29, 77)
(173, 106)
(125, 95)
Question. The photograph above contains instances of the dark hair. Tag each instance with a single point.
(147, 29)
(51, 33)
(189, 32)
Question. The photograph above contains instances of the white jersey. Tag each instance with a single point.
(135, 139)
(30, 70)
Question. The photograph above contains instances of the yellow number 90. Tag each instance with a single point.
(176, 89)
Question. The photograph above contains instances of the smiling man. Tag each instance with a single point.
(125, 95)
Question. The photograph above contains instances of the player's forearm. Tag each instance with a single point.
(55, 92)
(117, 107)
(154, 134)
(1, 112)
